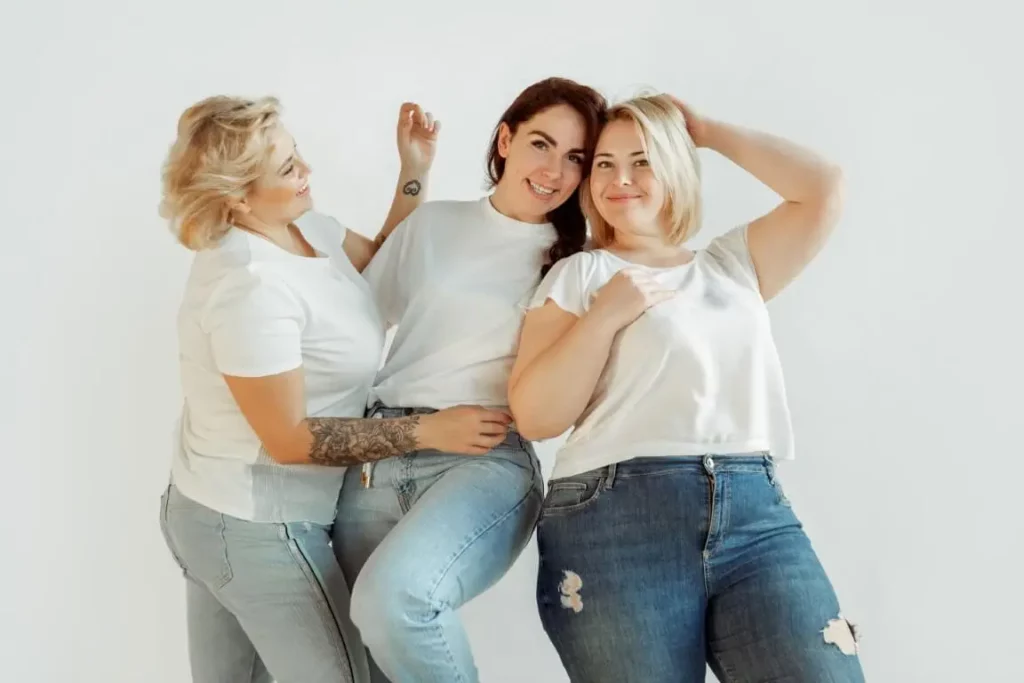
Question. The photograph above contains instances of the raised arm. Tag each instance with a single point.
(417, 141)
(274, 406)
(785, 240)
(561, 355)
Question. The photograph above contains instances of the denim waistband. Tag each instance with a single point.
(703, 464)
(378, 409)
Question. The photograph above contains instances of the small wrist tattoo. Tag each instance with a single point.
(412, 188)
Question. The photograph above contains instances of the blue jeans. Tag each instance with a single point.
(654, 567)
(264, 601)
(420, 535)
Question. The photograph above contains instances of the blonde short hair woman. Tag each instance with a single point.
(666, 542)
(279, 343)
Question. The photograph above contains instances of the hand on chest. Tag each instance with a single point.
(709, 315)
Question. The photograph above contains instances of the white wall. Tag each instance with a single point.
(902, 344)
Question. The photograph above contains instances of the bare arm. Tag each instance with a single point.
(560, 359)
(417, 142)
(785, 240)
(410, 193)
(561, 356)
(275, 408)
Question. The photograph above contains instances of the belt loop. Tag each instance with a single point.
(609, 477)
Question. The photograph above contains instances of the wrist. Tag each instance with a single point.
(711, 134)
(423, 432)
(601, 322)
(413, 171)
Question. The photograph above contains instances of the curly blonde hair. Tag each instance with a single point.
(674, 161)
(223, 146)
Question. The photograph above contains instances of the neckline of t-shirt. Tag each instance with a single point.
(696, 253)
(539, 230)
(268, 248)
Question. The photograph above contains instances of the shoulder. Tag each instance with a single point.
(444, 212)
(730, 254)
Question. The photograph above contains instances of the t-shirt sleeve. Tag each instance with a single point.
(566, 285)
(387, 272)
(732, 254)
(255, 326)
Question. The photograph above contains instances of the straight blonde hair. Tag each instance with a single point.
(673, 157)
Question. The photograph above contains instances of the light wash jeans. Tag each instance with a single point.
(264, 601)
(422, 535)
(654, 567)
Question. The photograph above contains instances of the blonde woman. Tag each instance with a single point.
(279, 344)
(665, 540)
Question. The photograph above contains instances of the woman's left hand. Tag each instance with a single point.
(417, 137)
(696, 125)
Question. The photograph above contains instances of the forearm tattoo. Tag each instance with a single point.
(343, 441)
(412, 188)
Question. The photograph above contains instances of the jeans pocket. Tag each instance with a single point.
(566, 496)
(197, 538)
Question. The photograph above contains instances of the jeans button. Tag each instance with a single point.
(709, 462)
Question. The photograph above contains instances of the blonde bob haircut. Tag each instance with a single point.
(674, 162)
(222, 147)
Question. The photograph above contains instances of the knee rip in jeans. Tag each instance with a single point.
(842, 634)
(569, 590)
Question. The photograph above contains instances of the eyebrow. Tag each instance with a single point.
(551, 141)
(608, 154)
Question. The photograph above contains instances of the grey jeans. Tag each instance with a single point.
(264, 601)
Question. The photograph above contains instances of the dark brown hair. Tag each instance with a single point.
(568, 218)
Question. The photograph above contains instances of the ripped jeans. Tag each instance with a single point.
(654, 567)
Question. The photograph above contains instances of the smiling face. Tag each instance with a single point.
(281, 194)
(544, 158)
(623, 187)
(645, 179)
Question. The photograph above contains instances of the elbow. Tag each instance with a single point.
(286, 453)
(833, 188)
(532, 426)
(827, 206)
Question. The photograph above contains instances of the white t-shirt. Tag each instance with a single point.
(455, 277)
(252, 309)
(695, 375)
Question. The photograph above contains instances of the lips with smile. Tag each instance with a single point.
(304, 190)
(621, 198)
(541, 191)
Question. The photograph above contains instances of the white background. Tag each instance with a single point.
(901, 344)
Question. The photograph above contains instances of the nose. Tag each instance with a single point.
(553, 167)
(624, 176)
(304, 168)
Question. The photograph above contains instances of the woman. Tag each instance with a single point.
(665, 539)
(421, 534)
(279, 342)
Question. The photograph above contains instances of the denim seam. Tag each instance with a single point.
(729, 677)
(577, 507)
(228, 573)
(320, 599)
(165, 528)
(710, 478)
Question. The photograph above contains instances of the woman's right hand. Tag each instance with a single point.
(626, 296)
(468, 430)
